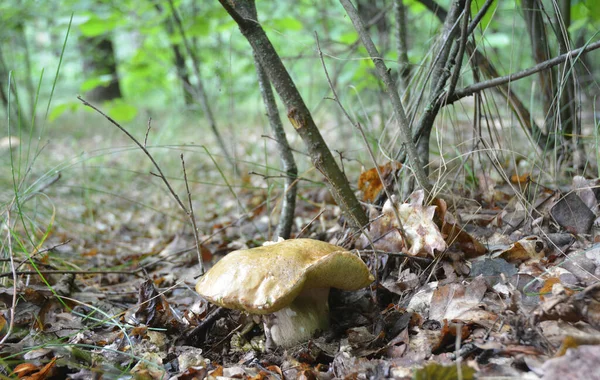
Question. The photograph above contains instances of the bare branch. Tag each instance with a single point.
(147, 153)
(477, 87)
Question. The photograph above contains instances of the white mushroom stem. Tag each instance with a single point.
(300, 320)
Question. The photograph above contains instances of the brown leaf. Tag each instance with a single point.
(370, 183)
(154, 309)
(29, 371)
(530, 248)
(454, 234)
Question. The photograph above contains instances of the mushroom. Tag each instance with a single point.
(288, 282)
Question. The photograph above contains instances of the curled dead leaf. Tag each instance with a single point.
(371, 184)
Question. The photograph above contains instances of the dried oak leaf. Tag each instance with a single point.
(371, 184)
(454, 234)
(421, 232)
(154, 310)
(531, 248)
(412, 231)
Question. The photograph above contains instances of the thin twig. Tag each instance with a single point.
(143, 148)
(160, 175)
(191, 216)
(495, 82)
(464, 36)
(424, 260)
(479, 16)
(30, 272)
(309, 223)
(147, 132)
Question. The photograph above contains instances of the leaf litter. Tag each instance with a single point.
(484, 289)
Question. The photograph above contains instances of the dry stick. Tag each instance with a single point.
(288, 205)
(466, 30)
(479, 16)
(495, 82)
(297, 111)
(31, 272)
(439, 77)
(39, 252)
(200, 87)
(488, 69)
(147, 153)
(191, 213)
(461, 47)
(309, 224)
(147, 132)
(390, 88)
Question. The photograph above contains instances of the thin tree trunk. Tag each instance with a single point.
(298, 114)
(98, 56)
(288, 205)
(534, 20)
(31, 92)
(179, 61)
(391, 89)
(402, 45)
(489, 71)
(439, 76)
(567, 106)
(201, 92)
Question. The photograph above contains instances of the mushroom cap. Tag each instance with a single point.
(266, 279)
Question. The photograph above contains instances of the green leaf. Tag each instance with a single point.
(121, 111)
(416, 7)
(349, 38)
(96, 26)
(92, 83)
(58, 110)
(199, 28)
(285, 23)
(594, 7)
(487, 18)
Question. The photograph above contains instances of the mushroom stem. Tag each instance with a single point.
(300, 320)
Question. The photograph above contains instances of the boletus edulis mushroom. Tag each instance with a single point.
(288, 282)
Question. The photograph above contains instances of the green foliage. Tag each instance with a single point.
(121, 111)
(144, 36)
(97, 26)
(585, 15)
(284, 24)
(487, 18)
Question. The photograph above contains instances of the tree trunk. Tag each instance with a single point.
(298, 114)
(534, 20)
(402, 45)
(179, 61)
(99, 60)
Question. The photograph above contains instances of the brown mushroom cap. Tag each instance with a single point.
(266, 279)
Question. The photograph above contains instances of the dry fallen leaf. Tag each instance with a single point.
(454, 234)
(531, 248)
(414, 220)
(371, 184)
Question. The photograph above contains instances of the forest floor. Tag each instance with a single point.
(497, 280)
